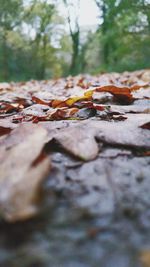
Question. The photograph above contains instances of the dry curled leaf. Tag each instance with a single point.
(123, 94)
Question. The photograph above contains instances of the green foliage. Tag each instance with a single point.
(34, 42)
(125, 34)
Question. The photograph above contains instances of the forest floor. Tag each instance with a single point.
(75, 172)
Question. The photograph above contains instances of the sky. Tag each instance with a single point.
(88, 12)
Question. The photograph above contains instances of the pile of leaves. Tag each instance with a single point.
(75, 98)
(75, 112)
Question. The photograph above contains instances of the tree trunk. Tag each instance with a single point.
(43, 66)
(106, 45)
(5, 71)
(75, 55)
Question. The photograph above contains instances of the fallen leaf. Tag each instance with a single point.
(4, 130)
(20, 180)
(61, 113)
(145, 258)
(123, 133)
(123, 94)
(79, 141)
(145, 126)
(40, 101)
(86, 113)
(9, 108)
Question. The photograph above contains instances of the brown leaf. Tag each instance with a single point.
(123, 94)
(145, 126)
(62, 113)
(9, 108)
(4, 130)
(145, 258)
(40, 101)
(119, 118)
(6, 127)
(20, 180)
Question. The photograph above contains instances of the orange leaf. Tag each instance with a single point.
(121, 93)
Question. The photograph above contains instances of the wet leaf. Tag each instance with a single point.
(86, 113)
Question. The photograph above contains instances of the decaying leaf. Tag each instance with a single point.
(20, 181)
(4, 130)
(146, 126)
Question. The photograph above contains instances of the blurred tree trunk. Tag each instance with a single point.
(44, 58)
(75, 37)
(106, 45)
(83, 51)
(75, 54)
(5, 71)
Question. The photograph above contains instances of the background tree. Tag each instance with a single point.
(36, 42)
(123, 33)
(73, 22)
(40, 22)
(10, 14)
